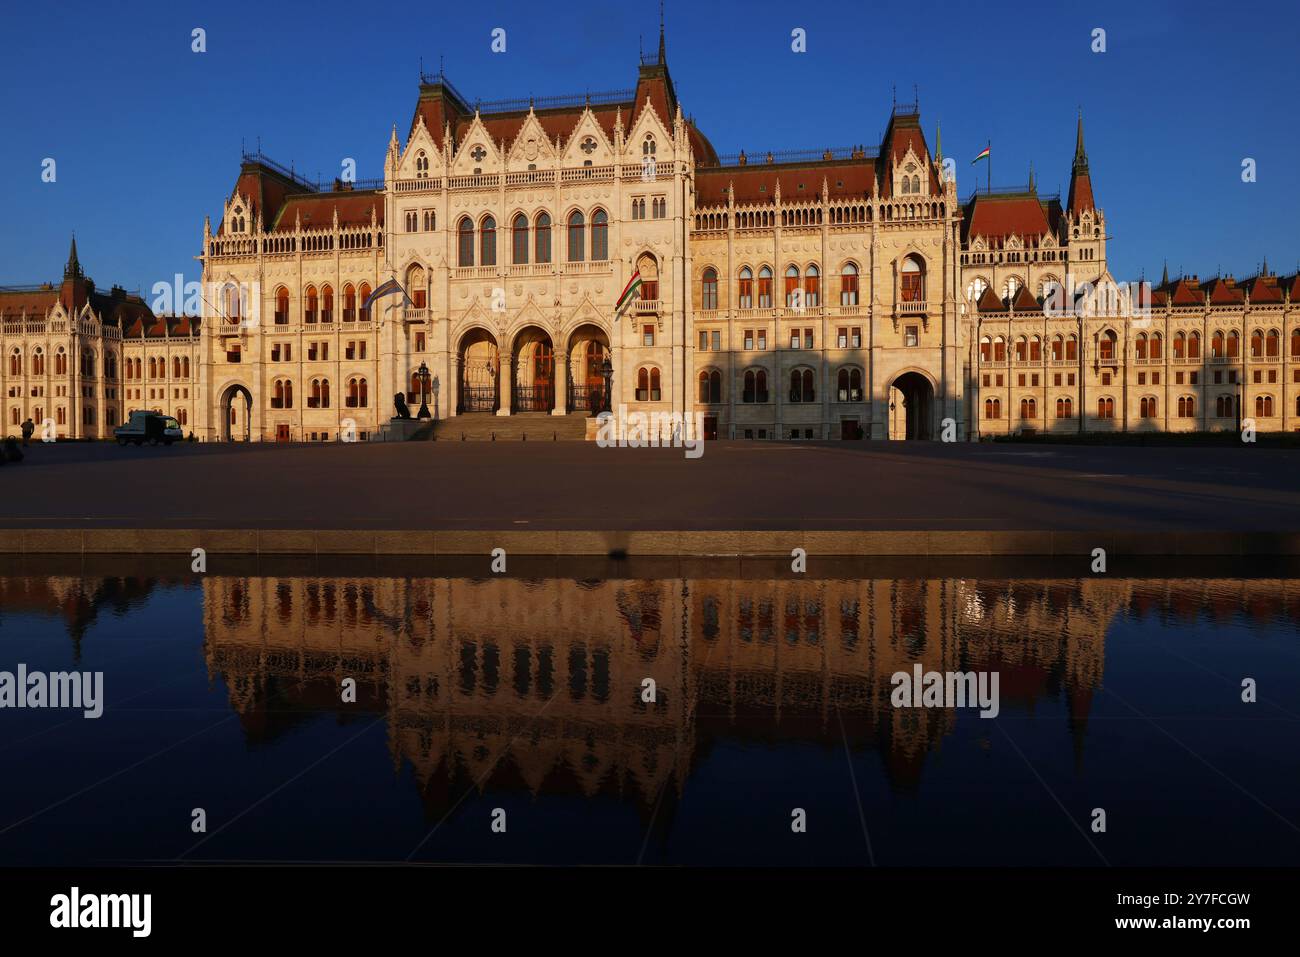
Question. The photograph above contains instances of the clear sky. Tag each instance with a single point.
(147, 134)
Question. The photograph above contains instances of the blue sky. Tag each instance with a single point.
(147, 134)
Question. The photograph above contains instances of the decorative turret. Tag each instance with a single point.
(73, 269)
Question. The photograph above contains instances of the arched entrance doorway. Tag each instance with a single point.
(534, 372)
(588, 347)
(479, 372)
(237, 416)
(911, 407)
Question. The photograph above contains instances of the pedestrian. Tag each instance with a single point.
(28, 428)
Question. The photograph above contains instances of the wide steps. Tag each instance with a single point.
(526, 427)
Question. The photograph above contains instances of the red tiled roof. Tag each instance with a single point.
(1224, 292)
(316, 210)
(990, 302)
(1025, 301)
(998, 217)
(1081, 193)
(35, 303)
(1185, 292)
(757, 183)
(1263, 289)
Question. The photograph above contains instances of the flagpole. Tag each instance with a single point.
(989, 147)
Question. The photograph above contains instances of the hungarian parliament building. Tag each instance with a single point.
(837, 294)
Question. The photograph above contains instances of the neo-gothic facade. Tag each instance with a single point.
(838, 295)
(75, 360)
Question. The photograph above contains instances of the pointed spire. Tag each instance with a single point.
(1164, 278)
(1031, 176)
(938, 146)
(663, 56)
(73, 269)
(1080, 154)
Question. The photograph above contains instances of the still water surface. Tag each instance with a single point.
(474, 695)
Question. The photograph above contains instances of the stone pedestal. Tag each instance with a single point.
(401, 430)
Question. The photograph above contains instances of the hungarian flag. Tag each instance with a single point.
(629, 291)
(387, 289)
(984, 154)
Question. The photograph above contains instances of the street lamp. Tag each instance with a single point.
(607, 373)
(422, 374)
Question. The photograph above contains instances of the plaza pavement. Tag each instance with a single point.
(738, 498)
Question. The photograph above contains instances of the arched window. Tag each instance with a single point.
(488, 242)
(153, 368)
(363, 294)
(1256, 344)
(421, 165)
(1180, 345)
(986, 349)
(1065, 408)
(281, 306)
(975, 288)
(1072, 347)
(309, 315)
(912, 280)
(1218, 345)
(812, 287)
(349, 303)
(320, 394)
(465, 243)
(796, 385)
(1028, 409)
(1140, 346)
(1107, 344)
(1022, 349)
(992, 408)
(1273, 344)
(176, 367)
(1035, 349)
(1263, 406)
(358, 397)
(648, 146)
(38, 362)
(647, 385)
(1295, 344)
(185, 367)
(710, 387)
(755, 389)
(793, 298)
(599, 236)
(765, 288)
(327, 304)
(849, 385)
(416, 286)
(709, 290)
(746, 296)
(283, 395)
(1186, 407)
(1147, 407)
(1234, 344)
(849, 285)
(1194, 346)
(542, 241)
(1156, 347)
(519, 240)
(576, 235)
(1105, 408)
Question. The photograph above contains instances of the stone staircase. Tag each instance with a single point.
(525, 427)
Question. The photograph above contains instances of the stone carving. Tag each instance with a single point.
(399, 403)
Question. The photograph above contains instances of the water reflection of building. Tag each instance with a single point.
(77, 601)
(536, 684)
